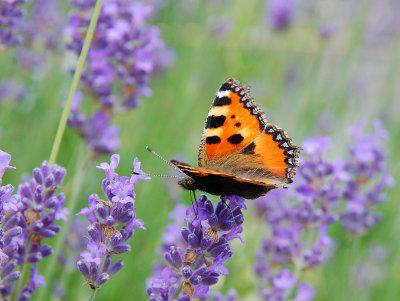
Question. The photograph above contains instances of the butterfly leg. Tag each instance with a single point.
(227, 205)
(195, 206)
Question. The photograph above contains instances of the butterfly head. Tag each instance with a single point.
(188, 183)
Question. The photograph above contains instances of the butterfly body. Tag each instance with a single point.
(240, 153)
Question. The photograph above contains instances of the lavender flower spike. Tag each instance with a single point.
(11, 18)
(112, 222)
(11, 236)
(197, 260)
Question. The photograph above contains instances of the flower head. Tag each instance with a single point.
(126, 53)
(194, 260)
(280, 13)
(112, 223)
(11, 18)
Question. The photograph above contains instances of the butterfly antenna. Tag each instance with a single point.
(163, 176)
(162, 159)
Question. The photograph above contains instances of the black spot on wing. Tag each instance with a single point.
(213, 140)
(238, 124)
(221, 101)
(235, 139)
(249, 149)
(214, 122)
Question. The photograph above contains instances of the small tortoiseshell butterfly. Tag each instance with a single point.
(240, 153)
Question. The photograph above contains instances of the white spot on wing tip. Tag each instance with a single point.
(223, 93)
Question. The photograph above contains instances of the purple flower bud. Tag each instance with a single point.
(120, 249)
(173, 257)
(8, 267)
(110, 221)
(11, 221)
(101, 212)
(37, 175)
(187, 272)
(95, 232)
(11, 277)
(116, 267)
(103, 278)
(83, 268)
(34, 257)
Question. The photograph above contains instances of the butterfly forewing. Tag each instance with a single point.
(238, 140)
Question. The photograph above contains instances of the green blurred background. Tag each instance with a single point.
(307, 83)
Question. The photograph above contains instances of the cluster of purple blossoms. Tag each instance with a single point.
(197, 259)
(27, 218)
(125, 53)
(41, 34)
(10, 232)
(366, 177)
(11, 18)
(323, 193)
(112, 222)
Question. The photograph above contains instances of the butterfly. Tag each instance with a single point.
(240, 153)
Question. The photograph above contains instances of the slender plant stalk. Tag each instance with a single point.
(92, 295)
(75, 81)
(77, 182)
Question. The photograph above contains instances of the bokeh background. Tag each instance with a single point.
(331, 65)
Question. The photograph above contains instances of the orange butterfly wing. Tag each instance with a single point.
(236, 132)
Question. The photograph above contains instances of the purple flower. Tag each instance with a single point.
(11, 91)
(4, 163)
(112, 223)
(230, 296)
(194, 258)
(41, 208)
(126, 53)
(366, 176)
(323, 193)
(11, 236)
(101, 136)
(299, 218)
(27, 219)
(280, 13)
(34, 282)
(11, 18)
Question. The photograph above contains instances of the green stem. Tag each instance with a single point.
(75, 82)
(92, 295)
(77, 182)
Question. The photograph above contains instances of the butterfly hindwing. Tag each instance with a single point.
(237, 139)
(220, 183)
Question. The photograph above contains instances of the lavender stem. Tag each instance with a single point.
(75, 82)
(92, 295)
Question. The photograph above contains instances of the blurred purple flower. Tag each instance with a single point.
(125, 53)
(323, 192)
(197, 259)
(280, 13)
(41, 34)
(34, 282)
(27, 218)
(11, 236)
(366, 178)
(231, 295)
(11, 19)
(371, 269)
(11, 91)
(112, 223)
